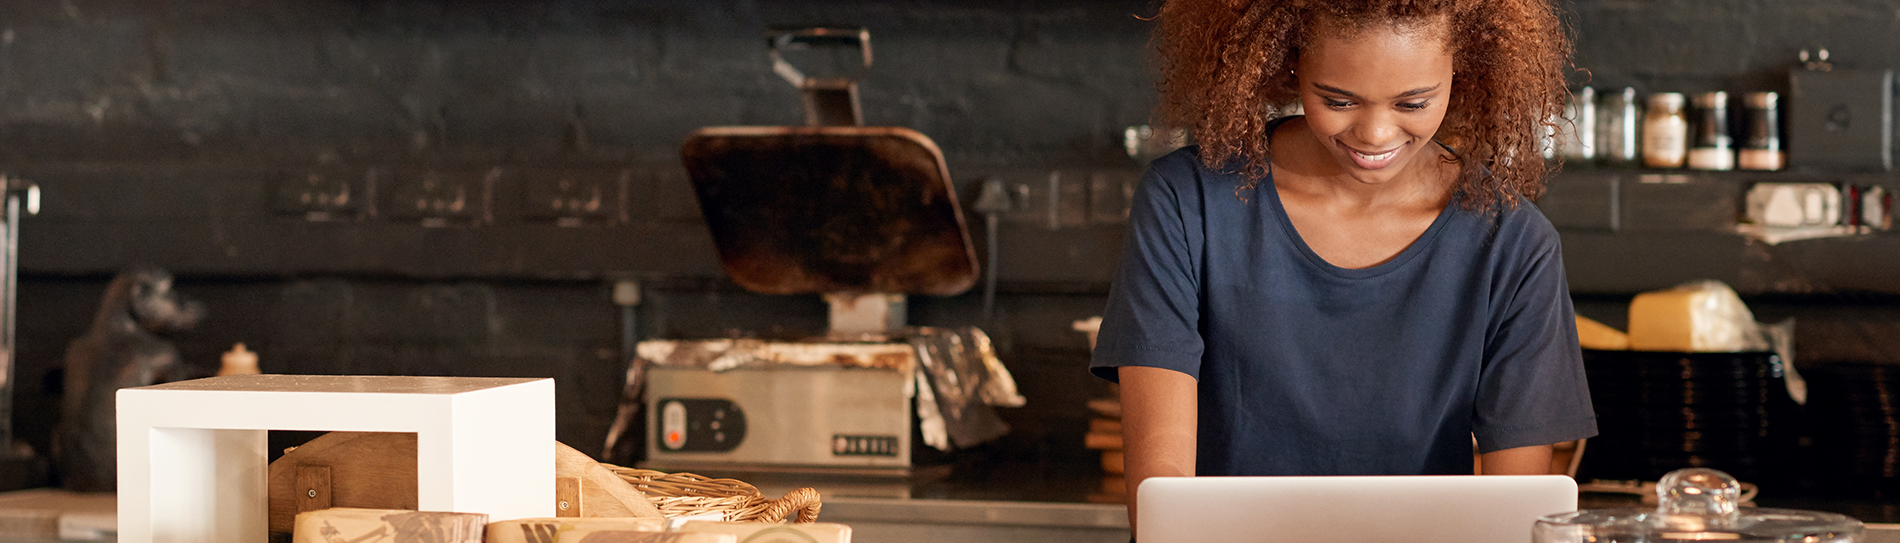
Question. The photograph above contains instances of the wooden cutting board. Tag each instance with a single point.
(377, 470)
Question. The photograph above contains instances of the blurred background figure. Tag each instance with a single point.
(126, 347)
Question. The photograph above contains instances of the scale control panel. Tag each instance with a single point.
(700, 425)
(855, 445)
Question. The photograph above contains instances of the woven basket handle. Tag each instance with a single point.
(803, 500)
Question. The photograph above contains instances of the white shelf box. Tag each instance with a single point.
(192, 458)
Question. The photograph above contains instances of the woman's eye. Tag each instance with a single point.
(1414, 106)
(1336, 104)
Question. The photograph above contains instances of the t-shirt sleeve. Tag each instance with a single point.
(1532, 390)
(1153, 313)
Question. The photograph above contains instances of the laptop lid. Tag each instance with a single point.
(1355, 509)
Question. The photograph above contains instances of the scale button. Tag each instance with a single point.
(673, 424)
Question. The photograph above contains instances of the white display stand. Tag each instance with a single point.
(192, 463)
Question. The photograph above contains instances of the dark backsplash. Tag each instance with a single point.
(174, 133)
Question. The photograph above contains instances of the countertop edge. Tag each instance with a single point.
(989, 513)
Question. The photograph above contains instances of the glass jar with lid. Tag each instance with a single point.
(1665, 131)
(1761, 140)
(1697, 504)
(1619, 119)
(1714, 148)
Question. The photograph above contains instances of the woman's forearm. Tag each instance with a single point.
(1533, 460)
(1159, 410)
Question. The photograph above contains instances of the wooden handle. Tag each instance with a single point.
(805, 501)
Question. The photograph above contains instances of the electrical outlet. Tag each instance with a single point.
(1052, 200)
(324, 194)
(439, 197)
(576, 196)
(1027, 201)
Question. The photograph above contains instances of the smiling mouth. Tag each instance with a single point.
(1372, 161)
(1374, 158)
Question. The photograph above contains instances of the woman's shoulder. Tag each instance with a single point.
(1181, 182)
(1518, 222)
(1186, 166)
(1511, 212)
(1527, 213)
(1189, 162)
(1185, 160)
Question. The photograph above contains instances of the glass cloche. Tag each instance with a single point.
(1697, 504)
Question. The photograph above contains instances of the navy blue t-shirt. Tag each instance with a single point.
(1306, 368)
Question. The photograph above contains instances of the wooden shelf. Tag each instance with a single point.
(1626, 231)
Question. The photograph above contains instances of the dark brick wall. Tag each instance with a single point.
(1732, 45)
(169, 132)
(529, 80)
(1002, 82)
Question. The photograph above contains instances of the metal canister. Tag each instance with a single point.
(1761, 132)
(1619, 121)
(1713, 148)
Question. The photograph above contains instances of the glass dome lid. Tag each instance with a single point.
(1697, 504)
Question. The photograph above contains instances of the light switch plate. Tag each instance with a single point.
(442, 196)
(332, 193)
(575, 196)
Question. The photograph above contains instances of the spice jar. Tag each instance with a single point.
(1618, 120)
(1665, 131)
(1761, 128)
(1713, 149)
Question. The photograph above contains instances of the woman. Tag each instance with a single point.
(1362, 289)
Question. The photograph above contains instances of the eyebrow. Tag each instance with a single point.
(1349, 94)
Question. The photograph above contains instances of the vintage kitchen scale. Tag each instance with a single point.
(860, 215)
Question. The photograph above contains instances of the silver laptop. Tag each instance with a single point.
(1414, 509)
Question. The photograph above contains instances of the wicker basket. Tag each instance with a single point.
(682, 494)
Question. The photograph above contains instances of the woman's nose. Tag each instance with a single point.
(1376, 129)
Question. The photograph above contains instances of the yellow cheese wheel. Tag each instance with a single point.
(1595, 335)
(1705, 316)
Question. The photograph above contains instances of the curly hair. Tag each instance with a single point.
(1226, 69)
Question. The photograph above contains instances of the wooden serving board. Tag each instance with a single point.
(353, 525)
(554, 530)
(763, 532)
